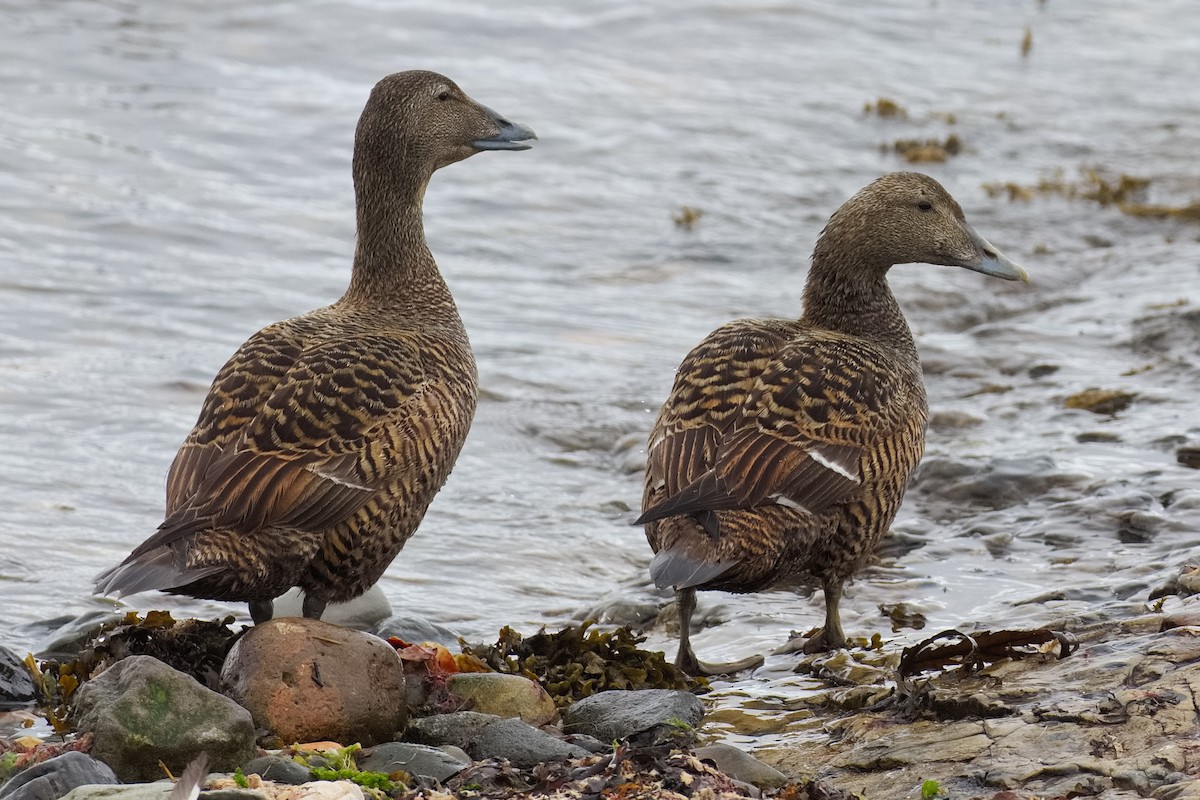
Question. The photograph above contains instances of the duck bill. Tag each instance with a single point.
(991, 261)
(511, 136)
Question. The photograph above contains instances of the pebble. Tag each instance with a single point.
(305, 680)
(278, 769)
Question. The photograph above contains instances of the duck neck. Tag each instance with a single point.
(393, 267)
(851, 295)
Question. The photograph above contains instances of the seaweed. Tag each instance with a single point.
(579, 661)
(194, 647)
(687, 217)
(1126, 192)
(920, 151)
(971, 651)
(886, 108)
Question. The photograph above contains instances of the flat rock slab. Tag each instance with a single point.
(653, 714)
(143, 712)
(307, 680)
(1119, 718)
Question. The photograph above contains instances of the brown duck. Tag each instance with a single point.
(325, 437)
(785, 446)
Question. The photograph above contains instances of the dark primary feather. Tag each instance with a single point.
(784, 447)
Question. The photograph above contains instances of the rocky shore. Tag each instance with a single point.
(301, 709)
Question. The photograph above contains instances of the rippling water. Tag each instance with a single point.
(174, 176)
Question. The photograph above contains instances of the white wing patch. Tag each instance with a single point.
(829, 463)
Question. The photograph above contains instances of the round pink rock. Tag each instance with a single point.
(306, 680)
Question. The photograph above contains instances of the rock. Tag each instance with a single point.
(71, 634)
(1100, 401)
(459, 729)
(742, 766)
(56, 776)
(327, 790)
(306, 680)
(142, 712)
(278, 769)
(522, 744)
(415, 630)
(16, 684)
(503, 695)
(363, 613)
(999, 483)
(159, 790)
(419, 760)
(1188, 456)
(659, 714)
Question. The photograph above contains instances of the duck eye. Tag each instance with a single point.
(925, 205)
(443, 96)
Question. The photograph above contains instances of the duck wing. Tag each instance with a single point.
(711, 388)
(799, 435)
(309, 456)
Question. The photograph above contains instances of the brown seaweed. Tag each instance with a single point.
(579, 661)
(972, 651)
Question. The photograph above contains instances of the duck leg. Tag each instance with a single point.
(830, 637)
(685, 659)
(261, 610)
(313, 606)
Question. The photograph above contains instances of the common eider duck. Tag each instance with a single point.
(785, 446)
(324, 437)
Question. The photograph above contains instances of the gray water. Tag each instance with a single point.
(175, 175)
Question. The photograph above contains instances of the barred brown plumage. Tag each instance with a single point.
(784, 448)
(324, 437)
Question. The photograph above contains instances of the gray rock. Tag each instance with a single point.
(415, 630)
(278, 769)
(459, 729)
(160, 790)
(55, 777)
(522, 744)
(742, 766)
(420, 760)
(16, 685)
(142, 712)
(654, 715)
(589, 743)
(70, 634)
(138, 791)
